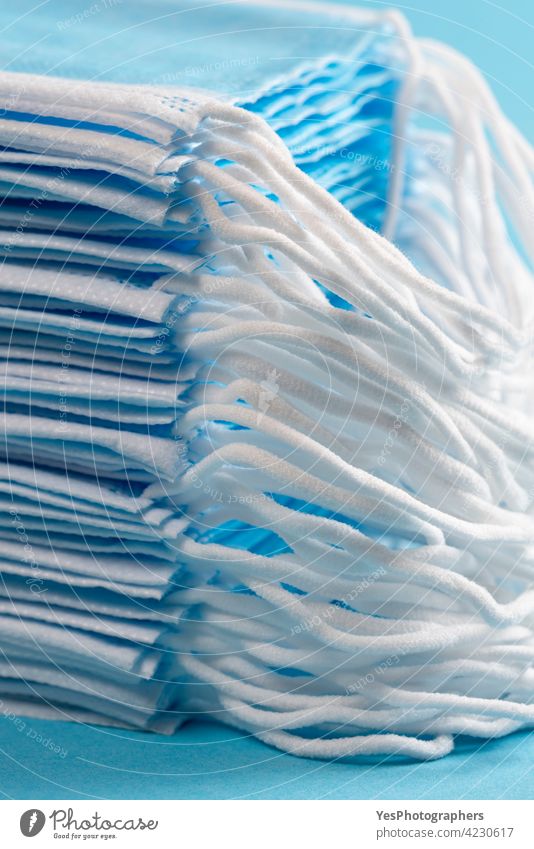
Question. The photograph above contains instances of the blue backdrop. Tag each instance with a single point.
(213, 762)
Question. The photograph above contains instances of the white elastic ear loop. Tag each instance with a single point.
(342, 216)
(466, 129)
(227, 229)
(374, 493)
(255, 233)
(344, 444)
(511, 142)
(511, 146)
(411, 79)
(340, 353)
(333, 403)
(283, 431)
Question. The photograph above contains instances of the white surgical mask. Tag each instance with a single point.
(335, 486)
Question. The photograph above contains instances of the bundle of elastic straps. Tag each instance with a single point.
(265, 335)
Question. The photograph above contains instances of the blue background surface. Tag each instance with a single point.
(209, 761)
(213, 762)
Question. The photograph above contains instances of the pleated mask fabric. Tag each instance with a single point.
(265, 325)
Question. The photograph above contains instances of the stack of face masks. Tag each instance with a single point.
(257, 465)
